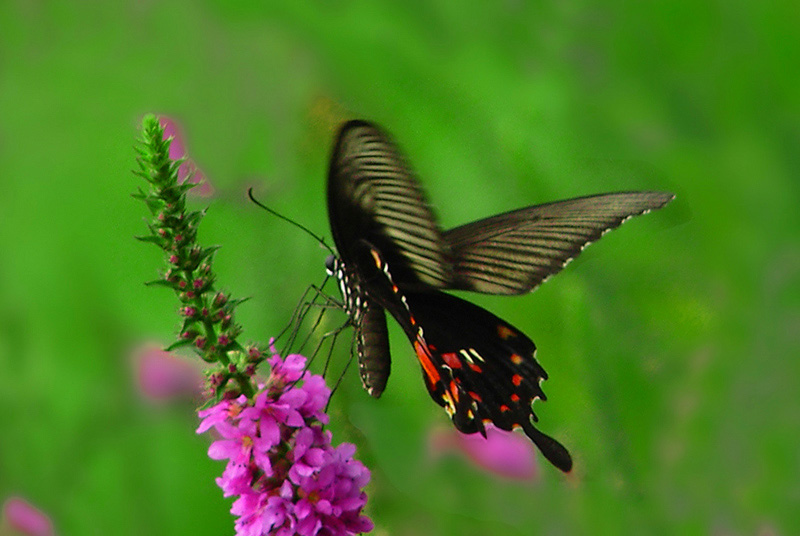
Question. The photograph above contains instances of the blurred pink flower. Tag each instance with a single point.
(506, 454)
(178, 150)
(25, 518)
(161, 376)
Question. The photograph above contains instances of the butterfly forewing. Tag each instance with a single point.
(374, 196)
(513, 253)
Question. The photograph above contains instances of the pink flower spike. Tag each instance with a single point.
(506, 454)
(161, 376)
(282, 467)
(25, 518)
(171, 129)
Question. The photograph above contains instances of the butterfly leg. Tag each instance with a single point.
(304, 306)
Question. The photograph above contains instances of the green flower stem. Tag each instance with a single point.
(209, 324)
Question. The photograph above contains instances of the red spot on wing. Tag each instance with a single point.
(515, 397)
(451, 360)
(424, 356)
(475, 396)
(504, 408)
(476, 368)
(516, 379)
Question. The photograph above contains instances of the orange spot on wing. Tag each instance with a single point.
(427, 365)
(454, 390)
(516, 359)
(516, 379)
(505, 332)
(376, 257)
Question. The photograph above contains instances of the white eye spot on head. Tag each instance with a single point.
(330, 264)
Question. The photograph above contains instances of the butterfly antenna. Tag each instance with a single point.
(284, 218)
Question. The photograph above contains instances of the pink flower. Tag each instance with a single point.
(177, 150)
(282, 466)
(331, 493)
(506, 454)
(26, 518)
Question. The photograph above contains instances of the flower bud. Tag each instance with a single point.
(253, 353)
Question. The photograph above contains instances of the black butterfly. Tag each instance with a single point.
(394, 257)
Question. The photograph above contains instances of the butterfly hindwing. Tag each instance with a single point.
(477, 366)
(480, 368)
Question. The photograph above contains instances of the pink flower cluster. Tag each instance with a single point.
(288, 477)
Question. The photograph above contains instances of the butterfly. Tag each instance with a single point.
(394, 257)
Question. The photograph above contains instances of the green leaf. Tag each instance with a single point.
(182, 343)
(157, 240)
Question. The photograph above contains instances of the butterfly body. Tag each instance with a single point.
(394, 257)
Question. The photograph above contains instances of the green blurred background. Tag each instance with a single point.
(672, 345)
